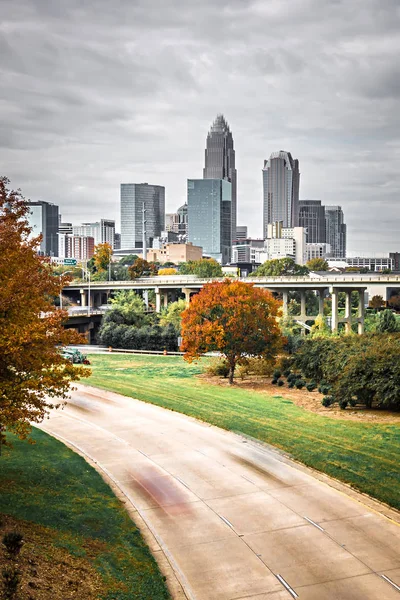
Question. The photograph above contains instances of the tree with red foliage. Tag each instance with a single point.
(233, 318)
(32, 369)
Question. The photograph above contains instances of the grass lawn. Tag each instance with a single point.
(80, 541)
(365, 455)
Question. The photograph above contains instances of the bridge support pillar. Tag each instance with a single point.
(303, 307)
(165, 299)
(321, 303)
(83, 298)
(361, 311)
(335, 309)
(285, 295)
(187, 293)
(347, 314)
(158, 300)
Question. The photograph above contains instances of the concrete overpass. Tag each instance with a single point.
(97, 292)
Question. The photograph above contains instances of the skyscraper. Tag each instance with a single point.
(335, 231)
(312, 218)
(43, 219)
(102, 231)
(135, 197)
(209, 217)
(220, 161)
(281, 181)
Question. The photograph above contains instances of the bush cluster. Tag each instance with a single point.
(148, 337)
(353, 370)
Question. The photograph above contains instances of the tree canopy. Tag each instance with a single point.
(32, 370)
(317, 264)
(377, 301)
(233, 318)
(205, 267)
(280, 266)
(102, 256)
(142, 268)
(173, 314)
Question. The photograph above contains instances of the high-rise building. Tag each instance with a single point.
(281, 181)
(177, 222)
(335, 231)
(241, 232)
(312, 218)
(209, 217)
(102, 231)
(134, 198)
(220, 161)
(80, 247)
(284, 242)
(43, 219)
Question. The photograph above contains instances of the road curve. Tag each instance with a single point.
(236, 520)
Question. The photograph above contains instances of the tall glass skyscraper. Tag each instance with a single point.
(209, 217)
(43, 219)
(135, 196)
(336, 231)
(220, 161)
(312, 218)
(281, 182)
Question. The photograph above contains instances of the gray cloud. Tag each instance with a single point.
(98, 93)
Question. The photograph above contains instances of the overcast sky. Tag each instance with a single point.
(95, 93)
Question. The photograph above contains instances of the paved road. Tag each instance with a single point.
(236, 520)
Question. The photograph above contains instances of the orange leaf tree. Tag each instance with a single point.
(32, 370)
(233, 318)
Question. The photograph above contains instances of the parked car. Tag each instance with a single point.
(75, 356)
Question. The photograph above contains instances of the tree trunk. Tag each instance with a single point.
(232, 365)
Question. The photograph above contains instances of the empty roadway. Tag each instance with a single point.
(235, 519)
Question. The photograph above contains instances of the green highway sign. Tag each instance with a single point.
(70, 261)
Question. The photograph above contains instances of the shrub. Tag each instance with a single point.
(327, 401)
(11, 579)
(311, 386)
(262, 367)
(292, 377)
(343, 404)
(299, 384)
(281, 382)
(13, 543)
(286, 373)
(291, 384)
(218, 368)
(274, 381)
(277, 373)
(324, 389)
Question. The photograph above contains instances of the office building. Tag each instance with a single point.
(317, 251)
(248, 251)
(76, 246)
(281, 181)
(220, 162)
(177, 222)
(312, 218)
(64, 227)
(175, 253)
(286, 242)
(134, 198)
(335, 231)
(209, 217)
(117, 241)
(373, 263)
(102, 231)
(43, 218)
(241, 232)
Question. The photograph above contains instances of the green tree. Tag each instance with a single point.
(386, 322)
(205, 267)
(173, 314)
(128, 308)
(317, 264)
(127, 261)
(278, 267)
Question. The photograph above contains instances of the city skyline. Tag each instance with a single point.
(87, 103)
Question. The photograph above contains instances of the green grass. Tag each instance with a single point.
(365, 455)
(49, 485)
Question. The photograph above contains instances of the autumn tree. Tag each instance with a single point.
(317, 264)
(394, 302)
(142, 268)
(233, 318)
(32, 370)
(377, 302)
(167, 271)
(102, 256)
(278, 267)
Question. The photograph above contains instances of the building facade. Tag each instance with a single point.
(134, 198)
(209, 217)
(76, 246)
(336, 233)
(248, 251)
(317, 251)
(220, 162)
(241, 232)
(286, 242)
(312, 218)
(102, 231)
(175, 253)
(43, 218)
(281, 181)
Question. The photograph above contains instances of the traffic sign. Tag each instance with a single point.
(70, 261)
